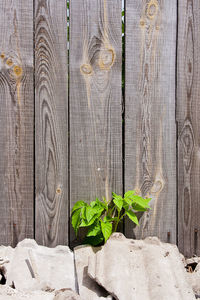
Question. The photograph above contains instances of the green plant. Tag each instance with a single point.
(102, 218)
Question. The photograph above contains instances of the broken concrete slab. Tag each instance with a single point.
(35, 267)
(66, 294)
(192, 260)
(7, 293)
(6, 253)
(6, 256)
(88, 288)
(140, 269)
(194, 281)
(193, 274)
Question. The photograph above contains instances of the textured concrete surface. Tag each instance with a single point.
(66, 294)
(140, 269)
(34, 267)
(127, 269)
(7, 293)
(193, 274)
(6, 256)
(88, 288)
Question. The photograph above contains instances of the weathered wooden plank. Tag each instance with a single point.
(16, 121)
(188, 119)
(150, 132)
(51, 122)
(95, 99)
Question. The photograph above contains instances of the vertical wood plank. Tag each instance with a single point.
(188, 119)
(95, 99)
(16, 121)
(150, 132)
(51, 122)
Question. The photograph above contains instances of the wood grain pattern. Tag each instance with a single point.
(150, 132)
(51, 122)
(188, 118)
(16, 121)
(95, 99)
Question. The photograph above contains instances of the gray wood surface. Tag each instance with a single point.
(150, 132)
(188, 119)
(51, 122)
(95, 99)
(16, 121)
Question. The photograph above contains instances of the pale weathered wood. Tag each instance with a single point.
(188, 118)
(51, 122)
(16, 121)
(95, 99)
(150, 132)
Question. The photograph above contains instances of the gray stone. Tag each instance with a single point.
(88, 288)
(66, 294)
(35, 267)
(140, 269)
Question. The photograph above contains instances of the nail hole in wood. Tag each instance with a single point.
(168, 237)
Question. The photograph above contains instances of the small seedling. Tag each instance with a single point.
(102, 218)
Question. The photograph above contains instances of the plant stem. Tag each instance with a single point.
(117, 222)
(115, 228)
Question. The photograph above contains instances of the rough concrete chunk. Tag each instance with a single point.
(194, 281)
(66, 294)
(88, 288)
(6, 256)
(193, 274)
(7, 293)
(140, 269)
(36, 267)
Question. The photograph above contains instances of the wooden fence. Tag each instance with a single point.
(66, 132)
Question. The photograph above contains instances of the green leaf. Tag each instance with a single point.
(123, 27)
(94, 240)
(85, 223)
(125, 205)
(141, 201)
(129, 193)
(93, 203)
(75, 219)
(128, 201)
(118, 200)
(137, 207)
(94, 229)
(78, 205)
(98, 203)
(132, 216)
(106, 230)
(83, 212)
(89, 213)
(109, 219)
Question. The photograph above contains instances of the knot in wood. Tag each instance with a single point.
(58, 190)
(86, 69)
(142, 23)
(152, 9)
(157, 187)
(9, 62)
(17, 71)
(106, 59)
